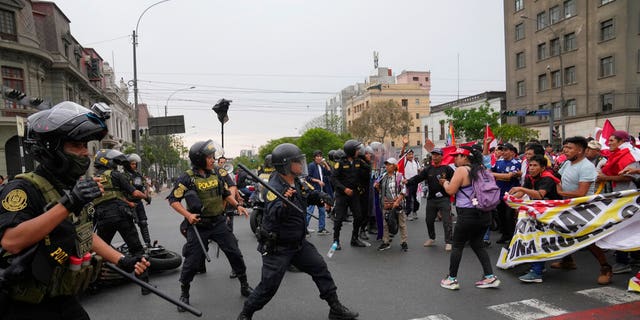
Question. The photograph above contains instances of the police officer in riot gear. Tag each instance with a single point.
(139, 183)
(282, 240)
(45, 228)
(204, 191)
(349, 178)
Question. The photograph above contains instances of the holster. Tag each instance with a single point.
(267, 242)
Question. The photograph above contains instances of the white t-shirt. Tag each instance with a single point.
(410, 169)
(573, 174)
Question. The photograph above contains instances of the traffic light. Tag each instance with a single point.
(221, 108)
(15, 94)
(510, 113)
(555, 134)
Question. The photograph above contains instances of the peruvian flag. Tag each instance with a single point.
(489, 134)
(602, 135)
(447, 158)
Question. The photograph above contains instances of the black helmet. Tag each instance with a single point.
(353, 147)
(340, 155)
(332, 155)
(284, 154)
(110, 159)
(134, 157)
(268, 161)
(200, 150)
(48, 130)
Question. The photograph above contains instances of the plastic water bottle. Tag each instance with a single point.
(332, 250)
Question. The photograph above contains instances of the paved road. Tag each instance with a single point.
(380, 285)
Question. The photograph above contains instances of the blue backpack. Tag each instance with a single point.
(486, 193)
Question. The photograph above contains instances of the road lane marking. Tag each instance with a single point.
(530, 309)
(610, 295)
(434, 317)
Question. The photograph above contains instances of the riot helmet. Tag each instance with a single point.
(134, 157)
(268, 161)
(200, 150)
(134, 161)
(109, 159)
(283, 155)
(340, 155)
(332, 155)
(353, 148)
(48, 130)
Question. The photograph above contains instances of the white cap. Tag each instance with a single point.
(391, 160)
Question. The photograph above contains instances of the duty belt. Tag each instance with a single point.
(212, 219)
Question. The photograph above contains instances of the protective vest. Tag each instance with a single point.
(209, 191)
(110, 191)
(51, 272)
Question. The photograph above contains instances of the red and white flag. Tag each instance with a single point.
(489, 134)
(602, 135)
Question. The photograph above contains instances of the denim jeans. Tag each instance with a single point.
(321, 216)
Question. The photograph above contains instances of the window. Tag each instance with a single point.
(8, 26)
(521, 119)
(607, 30)
(554, 14)
(570, 75)
(603, 2)
(542, 82)
(556, 109)
(542, 107)
(638, 62)
(555, 79)
(415, 79)
(417, 129)
(441, 137)
(426, 131)
(418, 117)
(519, 5)
(405, 102)
(570, 41)
(541, 20)
(569, 8)
(520, 60)
(12, 78)
(426, 78)
(554, 47)
(606, 102)
(571, 108)
(519, 31)
(393, 143)
(607, 67)
(520, 88)
(542, 51)
(417, 103)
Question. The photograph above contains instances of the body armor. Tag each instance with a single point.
(110, 192)
(209, 191)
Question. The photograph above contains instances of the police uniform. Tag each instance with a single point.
(50, 292)
(353, 175)
(141, 215)
(210, 192)
(113, 214)
(290, 247)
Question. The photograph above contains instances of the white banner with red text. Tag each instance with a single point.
(551, 229)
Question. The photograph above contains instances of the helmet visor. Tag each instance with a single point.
(72, 121)
(212, 147)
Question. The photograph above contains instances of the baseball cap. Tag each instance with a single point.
(621, 134)
(464, 152)
(437, 151)
(391, 160)
(595, 145)
(509, 146)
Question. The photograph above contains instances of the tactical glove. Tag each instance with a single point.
(82, 193)
(128, 263)
(148, 200)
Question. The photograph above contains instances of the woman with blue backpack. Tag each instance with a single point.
(473, 219)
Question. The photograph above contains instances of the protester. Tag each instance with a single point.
(392, 193)
(319, 176)
(507, 173)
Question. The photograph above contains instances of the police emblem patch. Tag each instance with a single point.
(336, 166)
(179, 191)
(223, 172)
(271, 196)
(15, 200)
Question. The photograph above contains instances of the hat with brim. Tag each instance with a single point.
(437, 151)
(461, 151)
(391, 160)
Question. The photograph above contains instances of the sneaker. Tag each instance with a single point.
(324, 232)
(486, 243)
(531, 277)
(310, 230)
(490, 282)
(621, 268)
(414, 216)
(605, 275)
(450, 283)
(448, 247)
(404, 247)
(429, 243)
(384, 246)
(566, 265)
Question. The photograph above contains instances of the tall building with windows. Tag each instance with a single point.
(579, 59)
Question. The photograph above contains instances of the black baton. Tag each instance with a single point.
(270, 188)
(153, 289)
(204, 249)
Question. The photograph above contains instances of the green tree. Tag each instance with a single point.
(469, 124)
(382, 120)
(249, 162)
(515, 133)
(318, 139)
(271, 144)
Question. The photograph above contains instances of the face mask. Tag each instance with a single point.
(78, 165)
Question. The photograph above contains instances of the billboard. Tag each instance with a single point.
(160, 126)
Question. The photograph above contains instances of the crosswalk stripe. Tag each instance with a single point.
(434, 317)
(530, 309)
(610, 295)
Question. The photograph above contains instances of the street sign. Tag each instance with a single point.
(542, 112)
(160, 126)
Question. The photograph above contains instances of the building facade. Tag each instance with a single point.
(579, 59)
(40, 57)
(436, 125)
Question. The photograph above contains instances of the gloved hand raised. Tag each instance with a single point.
(132, 263)
(85, 190)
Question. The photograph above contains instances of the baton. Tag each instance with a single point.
(204, 249)
(153, 289)
(270, 188)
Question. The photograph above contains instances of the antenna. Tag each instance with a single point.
(375, 59)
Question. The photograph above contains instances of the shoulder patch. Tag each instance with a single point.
(223, 172)
(336, 165)
(15, 200)
(179, 190)
(271, 196)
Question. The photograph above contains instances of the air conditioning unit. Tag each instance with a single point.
(87, 59)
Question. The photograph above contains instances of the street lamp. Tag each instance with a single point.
(171, 95)
(562, 101)
(135, 75)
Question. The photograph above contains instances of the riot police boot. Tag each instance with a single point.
(339, 311)
(184, 296)
(245, 289)
(355, 242)
(143, 290)
(144, 232)
(244, 315)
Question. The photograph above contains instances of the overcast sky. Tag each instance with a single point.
(281, 60)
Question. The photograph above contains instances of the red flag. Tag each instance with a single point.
(607, 130)
(489, 134)
(447, 158)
